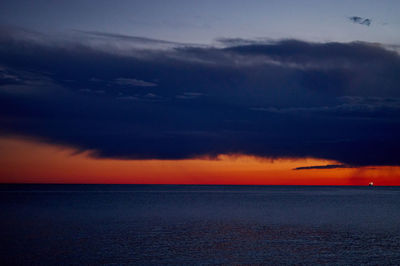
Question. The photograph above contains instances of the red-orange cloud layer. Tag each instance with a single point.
(27, 161)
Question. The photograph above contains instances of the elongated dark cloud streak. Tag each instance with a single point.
(328, 166)
(337, 101)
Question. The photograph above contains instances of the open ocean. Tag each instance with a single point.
(163, 224)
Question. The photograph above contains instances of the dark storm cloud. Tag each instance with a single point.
(289, 98)
(360, 20)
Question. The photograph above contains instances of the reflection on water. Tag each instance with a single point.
(91, 224)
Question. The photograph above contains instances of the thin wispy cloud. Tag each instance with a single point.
(359, 20)
(134, 82)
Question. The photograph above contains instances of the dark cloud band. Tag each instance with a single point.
(338, 101)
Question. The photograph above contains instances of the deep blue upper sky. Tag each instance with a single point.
(203, 21)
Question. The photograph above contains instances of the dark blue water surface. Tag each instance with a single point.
(140, 224)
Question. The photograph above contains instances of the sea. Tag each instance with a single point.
(190, 225)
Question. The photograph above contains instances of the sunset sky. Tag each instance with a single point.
(200, 92)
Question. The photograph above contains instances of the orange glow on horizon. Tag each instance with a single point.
(27, 161)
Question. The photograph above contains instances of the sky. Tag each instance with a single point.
(210, 92)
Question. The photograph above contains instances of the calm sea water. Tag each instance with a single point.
(134, 224)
